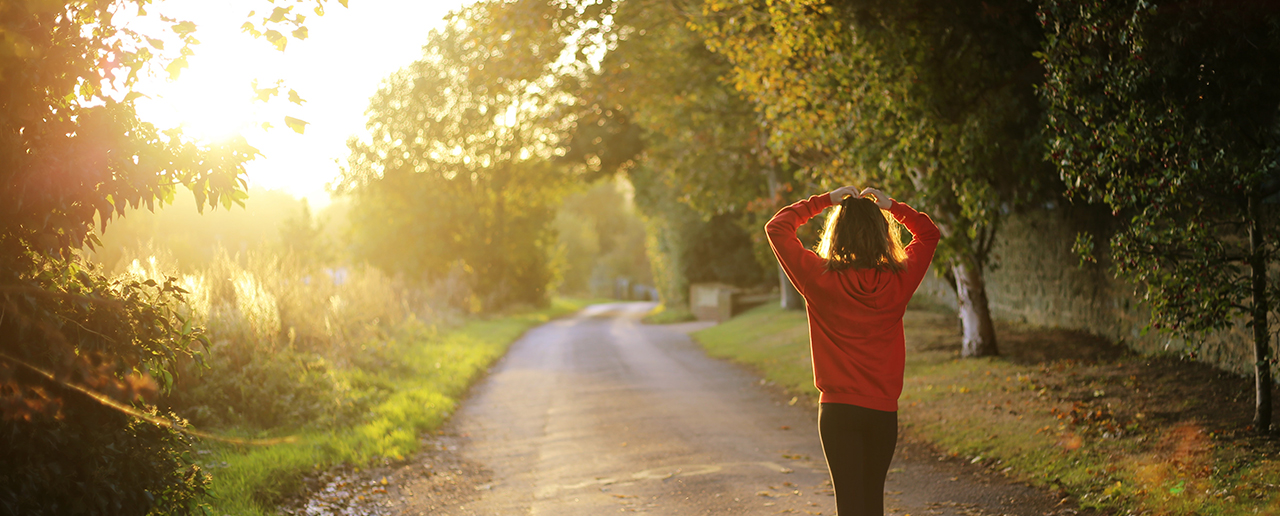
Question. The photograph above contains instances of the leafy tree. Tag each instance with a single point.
(305, 237)
(685, 247)
(933, 100)
(459, 166)
(600, 237)
(79, 352)
(1168, 112)
(657, 109)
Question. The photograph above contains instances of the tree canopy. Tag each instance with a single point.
(459, 172)
(1168, 113)
(78, 350)
(933, 101)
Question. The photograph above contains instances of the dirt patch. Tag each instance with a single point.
(436, 477)
(1078, 367)
(1023, 344)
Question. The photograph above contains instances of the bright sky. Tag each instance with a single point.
(348, 53)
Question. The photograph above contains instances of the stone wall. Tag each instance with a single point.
(1037, 279)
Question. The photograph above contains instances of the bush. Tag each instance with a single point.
(287, 339)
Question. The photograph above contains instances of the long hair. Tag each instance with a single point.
(859, 235)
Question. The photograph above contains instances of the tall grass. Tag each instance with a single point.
(351, 364)
(417, 396)
(287, 339)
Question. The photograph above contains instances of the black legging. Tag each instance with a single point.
(858, 443)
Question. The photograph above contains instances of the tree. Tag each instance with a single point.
(600, 238)
(657, 110)
(932, 100)
(459, 166)
(305, 237)
(79, 352)
(1169, 114)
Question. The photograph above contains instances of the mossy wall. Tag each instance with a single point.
(1037, 279)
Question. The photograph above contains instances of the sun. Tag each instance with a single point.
(211, 103)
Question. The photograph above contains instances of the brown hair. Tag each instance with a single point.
(859, 235)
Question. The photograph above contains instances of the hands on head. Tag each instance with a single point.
(880, 198)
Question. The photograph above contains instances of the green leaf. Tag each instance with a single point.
(297, 125)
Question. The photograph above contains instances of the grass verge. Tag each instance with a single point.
(421, 393)
(1061, 410)
(663, 314)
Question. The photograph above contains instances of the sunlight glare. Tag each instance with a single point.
(211, 102)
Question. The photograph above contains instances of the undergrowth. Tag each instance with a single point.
(433, 372)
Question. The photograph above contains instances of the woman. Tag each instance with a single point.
(856, 288)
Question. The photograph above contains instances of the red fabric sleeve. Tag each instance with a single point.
(800, 264)
(924, 241)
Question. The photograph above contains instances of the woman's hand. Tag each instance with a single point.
(838, 194)
(881, 199)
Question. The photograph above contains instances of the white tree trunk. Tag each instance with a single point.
(975, 316)
(791, 298)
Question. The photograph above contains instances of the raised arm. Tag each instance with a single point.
(799, 263)
(924, 240)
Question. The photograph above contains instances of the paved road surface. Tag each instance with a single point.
(598, 414)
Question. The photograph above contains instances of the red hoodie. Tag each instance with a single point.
(855, 315)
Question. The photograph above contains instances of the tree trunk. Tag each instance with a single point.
(1261, 335)
(791, 298)
(975, 316)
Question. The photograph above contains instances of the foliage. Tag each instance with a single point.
(655, 109)
(432, 371)
(931, 100)
(686, 248)
(113, 337)
(599, 238)
(281, 331)
(192, 241)
(48, 466)
(76, 157)
(1168, 114)
(458, 169)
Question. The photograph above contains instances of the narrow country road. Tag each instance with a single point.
(599, 414)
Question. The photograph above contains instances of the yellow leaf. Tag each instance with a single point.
(277, 14)
(175, 67)
(295, 98)
(277, 39)
(297, 125)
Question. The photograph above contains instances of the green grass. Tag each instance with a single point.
(1022, 419)
(434, 373)
(773, 341)
(663, 314)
